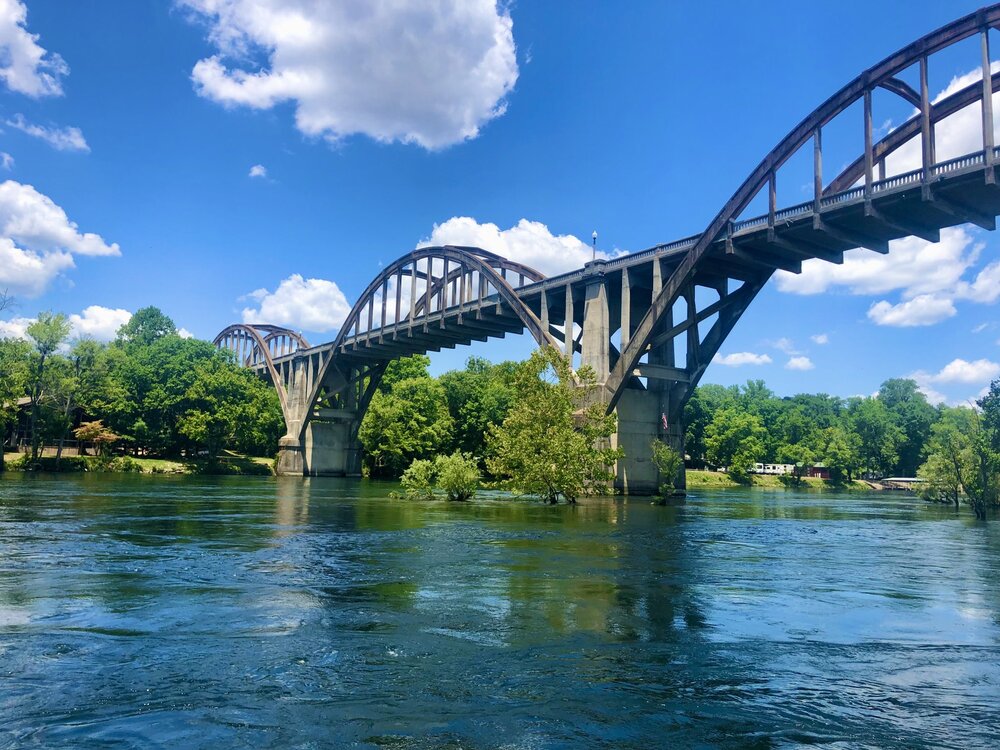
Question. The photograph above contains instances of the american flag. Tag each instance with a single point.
(663, 421)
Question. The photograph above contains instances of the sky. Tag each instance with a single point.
(228, 160)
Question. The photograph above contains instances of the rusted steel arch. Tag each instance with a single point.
(880, 75)
(910, 130)
(261, 336)
(476, 260)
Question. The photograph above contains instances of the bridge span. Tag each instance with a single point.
(648, 323)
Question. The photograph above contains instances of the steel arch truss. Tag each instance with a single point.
(257, 346)
(821, 227)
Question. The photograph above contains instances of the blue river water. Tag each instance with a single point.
(189, 612)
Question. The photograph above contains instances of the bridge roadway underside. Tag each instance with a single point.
(606, 300)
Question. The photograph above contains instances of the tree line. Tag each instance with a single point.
(149, 392)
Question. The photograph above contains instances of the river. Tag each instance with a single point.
(188, 612)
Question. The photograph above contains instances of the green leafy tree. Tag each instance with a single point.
(555, 440)
(669, 463)
(478, 396)
(227, 407)
(404, 368)
(48, 332)
(735, 439)
(411, 421)
(458, 475)
(838, 449)
(879, 436)
(418, 480)
(14, 376)
(913, 416)
(145, 327)
(800, 456)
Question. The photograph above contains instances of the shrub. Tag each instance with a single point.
(669, 463)
(457, 475)
(418, 480)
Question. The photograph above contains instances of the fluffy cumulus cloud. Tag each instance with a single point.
(100, 323)
(61, 139)
(958, 372)
(738, 359)
(930, 278)
(25, 66)
(430, 73)
(38, 241)
(527, 242)
(258, 170)
(923, 310)
(799, 363)
(94, 322)
(306, 304)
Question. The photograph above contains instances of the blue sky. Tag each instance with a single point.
(132, 131)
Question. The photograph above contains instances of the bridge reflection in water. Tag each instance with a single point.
(649, 322)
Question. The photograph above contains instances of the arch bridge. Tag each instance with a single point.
(650, 322)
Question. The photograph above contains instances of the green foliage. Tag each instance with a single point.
(800, 456)
(411, 421)
(14, 375)
(670, 464)
(735, 439)
(457, 475)
(418, 480)
(554, 440)
(147, 326)
(478, 396)
(880, 437)
(405, 368)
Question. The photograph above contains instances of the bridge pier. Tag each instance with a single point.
(332, 449)
(640, 422)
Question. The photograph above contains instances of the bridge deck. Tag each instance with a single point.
(959, 192)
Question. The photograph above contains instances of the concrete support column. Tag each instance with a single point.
(596, 341)
(640, 422)
(569, 323)
(290, 454)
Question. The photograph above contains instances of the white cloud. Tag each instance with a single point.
(15, 328)
(258, 170)
(925, 310)
(799, 363)
(957, 372)
(38, 241)
(26, 67)
(962, 371)
(95, 322)
(308, 304)
(184, 333)
(785, 345)
(738, 359)
(6, 161)
(100, 323)
(426, 73)
(820, 338)
(912, 266)
(61, 139)
(981, 327)
(528, 242)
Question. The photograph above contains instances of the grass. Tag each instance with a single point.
(718, 480)
(230, 463)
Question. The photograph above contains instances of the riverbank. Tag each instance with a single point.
(699, 479)
(230, 464)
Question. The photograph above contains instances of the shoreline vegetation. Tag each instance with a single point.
(235, 465)
(152, 401)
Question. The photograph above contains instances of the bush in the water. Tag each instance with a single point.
(418, 480)
(457, 475)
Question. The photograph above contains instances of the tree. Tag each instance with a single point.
(14, 376)
(411, 421)
(48, 332)
(914, 417)
(145, 327)
(95, 432)
(736, 440)
(457, 475)
(800, 456)
(879, 436)
(555, 440)
(404, 368)
(418, 480)
(669, 463)
(838, 448)
(227, 407)
(478, 396)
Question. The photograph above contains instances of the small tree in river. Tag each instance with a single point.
(554, 441)
(418, 480)
(670, 464)
(457, 475)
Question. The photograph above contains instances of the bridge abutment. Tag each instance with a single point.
(331, 449)
(640, 422)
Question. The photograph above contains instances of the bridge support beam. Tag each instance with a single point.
(595, 343)
(640, 422)
(331, 449)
